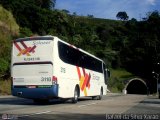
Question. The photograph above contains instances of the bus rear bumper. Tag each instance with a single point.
(36, 93)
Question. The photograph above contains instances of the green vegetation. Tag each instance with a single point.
(130, 44)
(122, 15)
(8, 22)
(5, 88)
(8, 29)
(117, 79)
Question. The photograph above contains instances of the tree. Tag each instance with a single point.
(65, 11)
(12, 4)
(122, 15)
(35, 15)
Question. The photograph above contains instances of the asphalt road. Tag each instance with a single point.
(112, 106)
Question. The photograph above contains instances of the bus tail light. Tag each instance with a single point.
(54, 80)
(11, 83)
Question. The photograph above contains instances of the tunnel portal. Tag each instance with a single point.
(136, 86)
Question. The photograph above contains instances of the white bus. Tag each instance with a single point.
(45, 67)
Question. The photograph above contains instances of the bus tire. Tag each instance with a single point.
(101, 94)
(94, 97)
(75, 98)
(159, 95)
(98, 97)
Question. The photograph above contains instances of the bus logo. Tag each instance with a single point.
(84, 80)
(25, 50)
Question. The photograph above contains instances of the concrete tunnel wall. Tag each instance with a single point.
(136, 86)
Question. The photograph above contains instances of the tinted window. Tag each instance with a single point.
(73, 56)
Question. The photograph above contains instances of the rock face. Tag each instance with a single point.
(7, 22)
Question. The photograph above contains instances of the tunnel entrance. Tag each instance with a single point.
(136, 87)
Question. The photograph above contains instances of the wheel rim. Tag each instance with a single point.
(101, 93)
(100, 96)
(75, 95)
(75, 98)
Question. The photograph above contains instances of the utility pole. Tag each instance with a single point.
(157, 79)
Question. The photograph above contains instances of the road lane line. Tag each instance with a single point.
(87, 105)
(43, 112)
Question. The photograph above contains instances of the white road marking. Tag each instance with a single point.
(35, 114)
(87, 105)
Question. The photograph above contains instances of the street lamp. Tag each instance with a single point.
(157, 78)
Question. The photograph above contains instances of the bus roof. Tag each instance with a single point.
(50, 37)
(35, 38)
(81, 50)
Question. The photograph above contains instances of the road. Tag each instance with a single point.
(85, 109)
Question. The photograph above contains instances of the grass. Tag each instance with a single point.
(5, 87)
(116, 81)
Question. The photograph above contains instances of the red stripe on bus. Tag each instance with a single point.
(89, 77)
(85, 81)
(17, 46)
(84, 72)
(79, 73)
(27, 50)
(24, 45)
(32, 49)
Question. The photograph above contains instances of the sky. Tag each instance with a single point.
(108, 9)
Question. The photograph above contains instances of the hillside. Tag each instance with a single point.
(8, 29)
(7, 22)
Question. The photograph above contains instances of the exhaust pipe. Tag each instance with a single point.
(19, 93)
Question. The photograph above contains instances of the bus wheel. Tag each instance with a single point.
(159, 95)
(101, 94)
(94, 97)
(75, 98)
(98, 97)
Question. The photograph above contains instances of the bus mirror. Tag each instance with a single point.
(108, 73)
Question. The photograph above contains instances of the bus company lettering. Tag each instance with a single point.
(41, 42)
(94, 77)
(32, 59)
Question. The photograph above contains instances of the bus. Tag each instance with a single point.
(45, 67)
